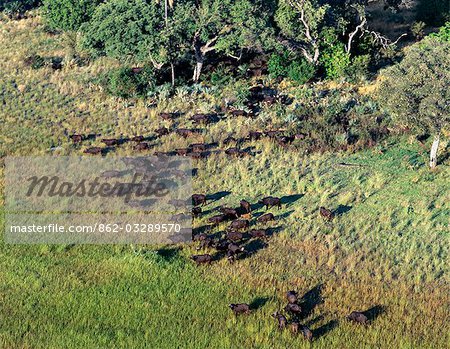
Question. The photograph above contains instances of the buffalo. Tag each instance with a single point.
(246, 206)
(281, 319)
(270, 202)
(162, 131)
(76, 138)
(307, 333)
(292, 296)
(258, 233)
(230, 212)
(196, 211)
(239, 224)
(234, 236)
(198, 147)
(137, 139)
(357, 317)
(265, 218)
(326, 213)
(202, 259)
(215, 220)
(199, 199)
(239, 309)
(293, 308)
(94, 151)
(142, 146)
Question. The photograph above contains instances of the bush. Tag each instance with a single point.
(359, 68)
(443, 34)
(282, 66)
(277, 65)
(17, 8)
(68, 15)
(301, 71)
(130, 83)
(335, 61)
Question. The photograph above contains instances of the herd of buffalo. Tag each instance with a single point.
(231, 243)
(238, 231)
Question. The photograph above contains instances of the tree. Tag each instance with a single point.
(300, 23)
(68, 15)
(416, 90)
(227, 26)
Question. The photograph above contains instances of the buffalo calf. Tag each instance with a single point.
(270, 201)
(357, 317)
(281, 319)
(246, 206)
(326, 213)
(292, 296)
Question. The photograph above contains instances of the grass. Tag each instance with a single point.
(387, 250)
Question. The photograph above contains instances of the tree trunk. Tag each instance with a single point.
(172, 68)
(434, 150)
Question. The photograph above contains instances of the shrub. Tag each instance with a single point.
(335, 61)
(301, 71)
(68, 15)
(17, 8)
(221, 76)
(443, 34)
(278, 65)
(359, 68)
(417, 30)
(128, 83)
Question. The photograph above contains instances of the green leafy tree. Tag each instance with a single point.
(416, 90)
(226, 26)
(68, 15)
(139, 31)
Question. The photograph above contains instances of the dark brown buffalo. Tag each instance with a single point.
(200, 118)
(196, 211)
(292, 296)
(326, 213)
(76, 138)
(199, 237)
(258, 233)
(357, 317)
(182, 151)
(285, 140)
(185, 132)
(137, 139)
(234, 236)
(111, 141)
(234, 248)
(238, 113)
(142, 146)
(254, 135)
(162, 131)
(235, 152)
(246, 206)
(239, 309)
(281, 319)
(202, 259)
(266, 218)
(198, 199)
(198, 147)
(270, 201)
(306, 332)
(239, 224)
(294, 327)
(221, 245)
(273, 133)
(293, 308)
(215, 220)
(198, 156)
(168, 116)
(94, 151)
(230, 212)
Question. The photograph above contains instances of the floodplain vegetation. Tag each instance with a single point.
(379, 246)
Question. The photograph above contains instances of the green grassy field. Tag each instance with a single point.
(387, 250)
